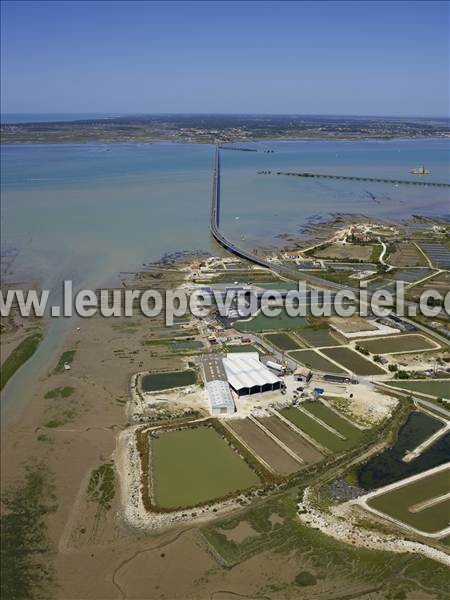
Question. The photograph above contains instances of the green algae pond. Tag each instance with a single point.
(317, 362)
(407, 503)
(387, 467)
(195, 465)
(353, 361)
(315, 430)
(245, 348)
(398, 343)
(283, 341)
(154, 382)
(317, 337)
(331, 418)
(440, 388)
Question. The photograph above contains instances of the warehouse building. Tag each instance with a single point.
(247, 375)
(220, 399)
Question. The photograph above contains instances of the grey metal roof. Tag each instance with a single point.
(219, 394)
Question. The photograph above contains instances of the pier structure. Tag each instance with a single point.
(357, 178)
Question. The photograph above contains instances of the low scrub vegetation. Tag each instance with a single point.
(65, 358)
(60, 392)
(26, 571)
(18, 357)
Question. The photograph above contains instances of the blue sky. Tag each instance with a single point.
(377, 58)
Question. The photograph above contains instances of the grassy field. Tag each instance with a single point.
(326, 438)
(265, 447)
(319, 410)
(349, 251)
(292, 440)
(439, 388)
(60, 392)
(339, 276)
(313, 360)
(404, 503)
(18, 357)
(318, 337)
(165, 381)
(398, 343)
(263, 323)
(406, 254)
(353, 361)
(192, 466)
(283, 341)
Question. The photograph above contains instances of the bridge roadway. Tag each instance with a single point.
(372, 179)
(223, 241)
(286, 270)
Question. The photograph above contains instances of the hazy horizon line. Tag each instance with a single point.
(188, 113)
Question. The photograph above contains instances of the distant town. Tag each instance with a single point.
(222, 128)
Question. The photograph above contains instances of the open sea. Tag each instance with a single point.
(89, 211)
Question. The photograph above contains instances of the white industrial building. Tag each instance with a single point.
(247, 375)
(219, 394)
(220, 398)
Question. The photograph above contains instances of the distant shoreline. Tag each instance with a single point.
(222, 129)
(106, 141)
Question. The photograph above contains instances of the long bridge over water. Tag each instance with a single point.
(287, 270)
(356, 178)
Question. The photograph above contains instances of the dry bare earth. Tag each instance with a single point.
(297, 444)
(264, 446)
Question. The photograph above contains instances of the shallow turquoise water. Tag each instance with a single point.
(258, 208)
(89, 211)
(86, 212)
